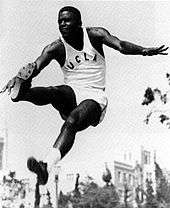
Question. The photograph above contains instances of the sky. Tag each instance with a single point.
(28, 26)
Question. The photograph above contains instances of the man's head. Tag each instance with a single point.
(69, 20)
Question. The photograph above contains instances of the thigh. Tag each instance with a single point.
(64, 100)
(87, 113)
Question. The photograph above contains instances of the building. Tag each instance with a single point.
(124, 179)
(148, 167)
(133, 175)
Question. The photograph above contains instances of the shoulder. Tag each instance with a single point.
(55, 46)
(98, 32)
(54, 50)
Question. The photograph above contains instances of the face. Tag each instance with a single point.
(68, 23)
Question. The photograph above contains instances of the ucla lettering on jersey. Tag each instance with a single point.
(85, 68)
(79, 58)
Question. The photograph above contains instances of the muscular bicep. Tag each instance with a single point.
(44, 59)
(54, 51)
(110, 40)
(123, 47)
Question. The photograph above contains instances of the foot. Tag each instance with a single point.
(19, 88)
(39, 168)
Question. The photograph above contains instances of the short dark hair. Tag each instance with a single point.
(73, 10)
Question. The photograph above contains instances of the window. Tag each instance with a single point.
(124, 177)
(149, 175)
(119, 176)
(146, 157)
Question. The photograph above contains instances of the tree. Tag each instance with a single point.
(88, 189)
(139, 195)
(92, 196)
(98, 197)
(127, 194)
(49, 199)
(13, 190)
(37, 195)
(161, 107)
(107, 176)
(162, 186)
(107, 197)
(150, 198)
(63, 199)
(76, 189)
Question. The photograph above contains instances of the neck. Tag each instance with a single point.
(75, 39)
(78, 33)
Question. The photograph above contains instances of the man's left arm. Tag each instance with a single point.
(129, 48)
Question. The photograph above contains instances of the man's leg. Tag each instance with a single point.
(86, 114)
(61, 97)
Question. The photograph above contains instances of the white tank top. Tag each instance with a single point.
(85, 68)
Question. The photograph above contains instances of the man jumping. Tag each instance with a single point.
(81, 100)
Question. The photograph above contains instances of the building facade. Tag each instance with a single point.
(133, 176)
(124, 180)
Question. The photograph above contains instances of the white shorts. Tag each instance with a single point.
(92, 93)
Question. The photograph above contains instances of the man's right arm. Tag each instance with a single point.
(48, 54)
(31, 70)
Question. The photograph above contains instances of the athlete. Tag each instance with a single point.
(81, 100)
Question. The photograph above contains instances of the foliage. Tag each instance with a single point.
(148, 96)
(159, 103)
(76, 189)
(13, 191)
(93, 196)
(16, 193)
(151, 200)
(127, 194)
(107, 176)
(63, 199)
(162, 185)
(139, 195)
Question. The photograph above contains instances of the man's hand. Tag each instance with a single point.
(155, 51)
(9, 85)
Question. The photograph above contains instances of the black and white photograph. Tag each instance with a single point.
(84, 104)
